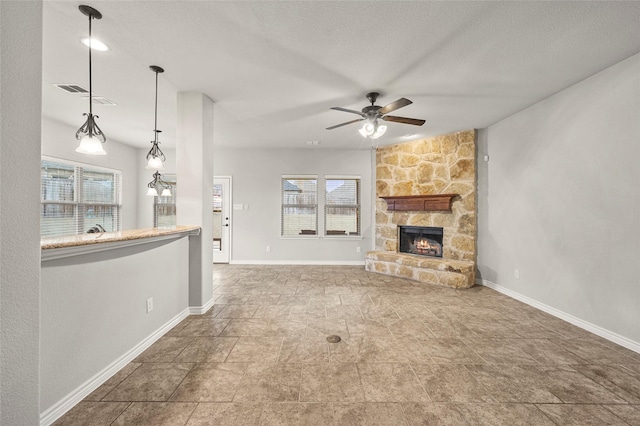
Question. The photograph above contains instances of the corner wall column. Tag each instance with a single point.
(20, 147)
(194, 168)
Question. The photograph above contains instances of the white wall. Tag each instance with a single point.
(58, 140)
(256, 176)
(560, 201)
(94, 309)
(20, 98)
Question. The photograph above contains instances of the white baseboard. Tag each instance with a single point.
(199, 310)
(605, 334)
(58, 409)
(299, 262)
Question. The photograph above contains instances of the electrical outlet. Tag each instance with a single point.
(357, 249)
(268, 249)
(516, 274)
(149, 304)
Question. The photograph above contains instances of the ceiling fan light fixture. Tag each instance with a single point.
(371, 113)
(367, 129)
(380, 130)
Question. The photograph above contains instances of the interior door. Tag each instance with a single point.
(221, 219)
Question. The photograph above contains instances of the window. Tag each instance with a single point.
(299, 206)
(217, 216)
(342, 206)
(164, 208)
(75, 198)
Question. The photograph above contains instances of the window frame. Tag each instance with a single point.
(284, 206)
(79, 204)
(357, 206)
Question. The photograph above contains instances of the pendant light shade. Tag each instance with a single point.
(89, 134)
(155, 156)
(154, 163)
(91, 145)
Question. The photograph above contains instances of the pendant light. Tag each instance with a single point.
(89, 134)
(158, 184)
(156, 157)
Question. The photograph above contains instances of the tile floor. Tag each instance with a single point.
(411, 354)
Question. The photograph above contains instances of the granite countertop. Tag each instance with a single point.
(108, 237)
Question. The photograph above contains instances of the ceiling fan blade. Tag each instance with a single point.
(344, 124)
(404, 120)
(349, 110)
(402, 102)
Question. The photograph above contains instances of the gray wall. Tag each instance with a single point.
(94, 309)
(256, 175)
(560, 201)
(20, 93)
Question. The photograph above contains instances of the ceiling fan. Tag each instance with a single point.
(372, 113)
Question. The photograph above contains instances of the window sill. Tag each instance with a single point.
(300, 237)
(323, 237)
(343, 237)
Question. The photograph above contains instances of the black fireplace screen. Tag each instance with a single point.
(422, 240)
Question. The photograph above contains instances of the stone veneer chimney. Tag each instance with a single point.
(438, 165)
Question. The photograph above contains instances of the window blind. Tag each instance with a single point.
(342, 206)
(75, 198)
(99, 200)
(299, 206)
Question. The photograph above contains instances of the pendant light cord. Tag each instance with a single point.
(90, 49)
(156, 115)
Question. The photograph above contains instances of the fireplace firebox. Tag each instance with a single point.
(421, 240)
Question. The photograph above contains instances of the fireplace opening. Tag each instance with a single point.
(421, 240)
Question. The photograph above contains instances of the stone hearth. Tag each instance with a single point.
(447, 272)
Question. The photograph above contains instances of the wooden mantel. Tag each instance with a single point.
(427, 203)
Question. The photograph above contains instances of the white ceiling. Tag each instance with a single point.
(275, 68)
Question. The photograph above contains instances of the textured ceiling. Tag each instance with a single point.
(273, 69)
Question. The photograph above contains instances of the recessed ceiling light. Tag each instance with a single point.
(95, 44)
(410, 135)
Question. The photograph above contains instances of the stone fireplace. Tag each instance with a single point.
(411, 179)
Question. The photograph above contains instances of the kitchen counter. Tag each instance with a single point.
(69, 245)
